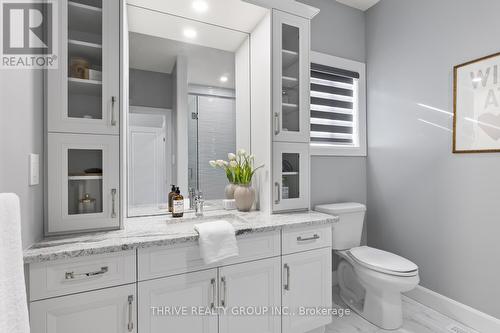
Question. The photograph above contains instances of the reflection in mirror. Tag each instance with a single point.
(189, 104)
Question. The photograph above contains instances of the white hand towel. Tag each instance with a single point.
(13, 305)
(217, 241)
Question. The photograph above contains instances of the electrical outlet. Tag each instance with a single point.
(34, 169)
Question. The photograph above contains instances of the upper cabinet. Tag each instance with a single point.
(83, 93)
(290, 77)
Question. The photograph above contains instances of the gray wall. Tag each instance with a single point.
(438, 209)
(150, 89)
(338, 30)
(21, 133)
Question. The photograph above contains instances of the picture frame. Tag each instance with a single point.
(476, 106)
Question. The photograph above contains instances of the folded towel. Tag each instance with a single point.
(217, 241)
(13, 305)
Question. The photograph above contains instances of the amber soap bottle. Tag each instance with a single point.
(170, 198)
(177, 204)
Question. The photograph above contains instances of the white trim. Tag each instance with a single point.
(288, 6)
(462, 313)
(318, 149)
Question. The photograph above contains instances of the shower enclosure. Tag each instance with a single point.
(212, 135)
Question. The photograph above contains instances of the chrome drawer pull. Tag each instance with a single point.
(223, 301)
(278, 195)
(113, 203)
(130, 325)
(287, 284)
(72, 275)
(113, 119)
(277, 128)
(314, 237)
(212, 302)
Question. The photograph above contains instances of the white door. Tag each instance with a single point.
(175, 294)
(291, 77)
(110, 310)
(253, 285)
(83, 182)
(307, 284)
(290, 176)
(149, 162)
(79, 100)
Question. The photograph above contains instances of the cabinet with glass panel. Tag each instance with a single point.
(83, 118)
(291, 86)
(83, 93)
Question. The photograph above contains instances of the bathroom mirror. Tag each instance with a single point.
(189, 94)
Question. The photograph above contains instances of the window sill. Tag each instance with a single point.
(337, 151)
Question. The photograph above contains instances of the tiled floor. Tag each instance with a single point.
(417, 319)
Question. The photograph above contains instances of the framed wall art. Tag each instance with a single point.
(476, 106)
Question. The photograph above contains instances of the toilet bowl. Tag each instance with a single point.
(371, 281)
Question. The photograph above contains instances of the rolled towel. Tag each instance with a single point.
(217, 241)
(13, 304)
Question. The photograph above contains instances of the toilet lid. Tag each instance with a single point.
(382, 261)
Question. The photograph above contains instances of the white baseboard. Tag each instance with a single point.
(462, 313)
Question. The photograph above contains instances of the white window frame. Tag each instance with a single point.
(359, 110)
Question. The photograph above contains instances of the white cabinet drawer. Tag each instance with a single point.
(163, 261)
(308, 238)
(62, 277)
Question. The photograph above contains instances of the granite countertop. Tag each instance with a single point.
(163, 230)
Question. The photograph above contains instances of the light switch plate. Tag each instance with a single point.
(34, 169)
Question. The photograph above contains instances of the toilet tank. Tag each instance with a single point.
(348, 230)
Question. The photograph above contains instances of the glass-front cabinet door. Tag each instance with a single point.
(83, 93)
(290, 77)
(291, 176)
(83, 191)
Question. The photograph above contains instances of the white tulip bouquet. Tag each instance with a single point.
(239, 169)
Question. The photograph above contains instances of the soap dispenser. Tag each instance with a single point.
(177, 204)
(170, 198)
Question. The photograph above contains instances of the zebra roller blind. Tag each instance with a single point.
(334, 106)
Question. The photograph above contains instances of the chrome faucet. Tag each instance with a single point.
(192, 195)
(198, 203)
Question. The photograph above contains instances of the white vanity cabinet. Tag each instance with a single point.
(252, 286)
(83, 92)
(101, 311)
(83, 187)
(291, 77)
(133, 291)
(160, 298)
(229, 288)
(307, 284)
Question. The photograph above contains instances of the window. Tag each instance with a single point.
(338, 106)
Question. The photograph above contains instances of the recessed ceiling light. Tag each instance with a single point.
(223, 78)
(477, 79)
(190, 33)
(200, 6)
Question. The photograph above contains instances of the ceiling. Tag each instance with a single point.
(154, 23)
(205, 65)
(359, 4)
(233, 14)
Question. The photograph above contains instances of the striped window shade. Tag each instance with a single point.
(334, 106)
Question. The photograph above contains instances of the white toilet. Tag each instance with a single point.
(371, 281)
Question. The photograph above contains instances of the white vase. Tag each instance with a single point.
(229, 191)
(244, 196)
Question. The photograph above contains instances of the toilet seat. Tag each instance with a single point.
(382, 261)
